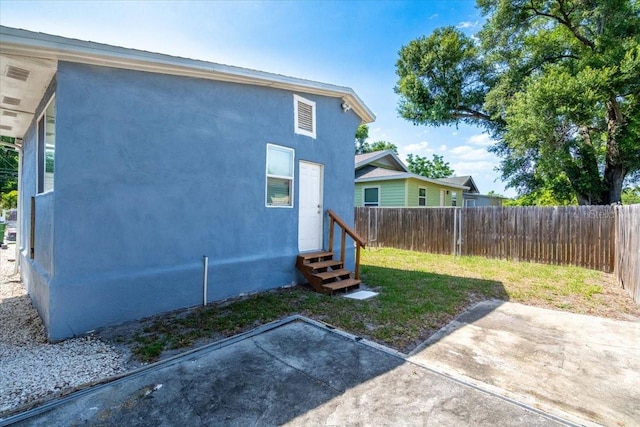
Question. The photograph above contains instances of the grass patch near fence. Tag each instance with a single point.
(419, 293)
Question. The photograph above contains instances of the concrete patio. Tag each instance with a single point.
(497, 364)
(293, 373)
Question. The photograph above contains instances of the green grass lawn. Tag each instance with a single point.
(419, 293)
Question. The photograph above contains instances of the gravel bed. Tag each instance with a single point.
(32, 370)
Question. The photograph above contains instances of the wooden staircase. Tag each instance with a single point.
(326, 274)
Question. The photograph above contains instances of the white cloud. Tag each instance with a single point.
(376, 134)
(435, 15)
(465, 152)
(454, 133)
(467, 24)
(419, 147)
(481, 139)
(476, 169)
(443, 148)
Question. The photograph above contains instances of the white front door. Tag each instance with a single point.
(310, 209)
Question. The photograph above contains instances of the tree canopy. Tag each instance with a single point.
(362, 146)
(555, 82)
(362, 133)
(435, 168)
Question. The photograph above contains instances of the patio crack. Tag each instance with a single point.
(306, 374)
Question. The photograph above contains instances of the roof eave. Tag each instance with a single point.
(26, 43)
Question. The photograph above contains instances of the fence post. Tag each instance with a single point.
(455, 229)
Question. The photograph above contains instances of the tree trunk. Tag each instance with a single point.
(613, 178)
(614, 171)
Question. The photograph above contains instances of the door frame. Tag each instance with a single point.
(320, 229)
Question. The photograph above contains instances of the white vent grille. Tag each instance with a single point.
(9, 113)
(305, 116)
(10, 101)
(17, 73)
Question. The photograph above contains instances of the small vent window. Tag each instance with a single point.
(10, 101)
(17, 73)
(304, 116)
(5, 127)
(9, 113)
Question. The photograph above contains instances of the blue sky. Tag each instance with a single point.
(348, 43)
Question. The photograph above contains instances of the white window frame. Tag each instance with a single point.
(364, 202)
(443, 197)
(454, 198)
(296, 127)
(422, 197)
(470, 203)
(41, 150)
(290, 178)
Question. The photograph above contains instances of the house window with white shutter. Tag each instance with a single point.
(304, 116)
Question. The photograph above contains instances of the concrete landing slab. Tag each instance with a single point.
(582, 368)
(361, 295)
(299, 373)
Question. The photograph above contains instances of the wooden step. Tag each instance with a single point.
(315, 255)
(324, 264)
(326, 275)
(342, 284)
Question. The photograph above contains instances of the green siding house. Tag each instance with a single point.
(381, 179)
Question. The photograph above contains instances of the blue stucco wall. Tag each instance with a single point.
(36, 273)
(155, 171)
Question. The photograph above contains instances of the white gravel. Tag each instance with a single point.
(32, 370)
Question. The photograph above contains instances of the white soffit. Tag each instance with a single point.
(23, 81)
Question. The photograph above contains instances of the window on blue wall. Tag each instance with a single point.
(279, 188)
(47, 147)
(372, 196)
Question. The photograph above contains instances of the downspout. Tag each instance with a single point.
(205, 278)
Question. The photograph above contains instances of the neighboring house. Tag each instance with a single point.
(136, 165)
(383, 180)
(472, 196)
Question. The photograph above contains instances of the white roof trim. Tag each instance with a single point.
(414, 176)
(19, 42)
(380, 155)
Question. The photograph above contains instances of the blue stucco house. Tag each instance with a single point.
(135, 166)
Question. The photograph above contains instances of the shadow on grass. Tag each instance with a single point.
(411, 306)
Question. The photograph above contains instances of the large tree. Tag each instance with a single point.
(362, 133)
(555, 82)
(362, 146)
(435, 168)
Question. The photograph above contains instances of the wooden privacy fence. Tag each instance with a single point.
(603, 238)
(550, 235)
(627, 262)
